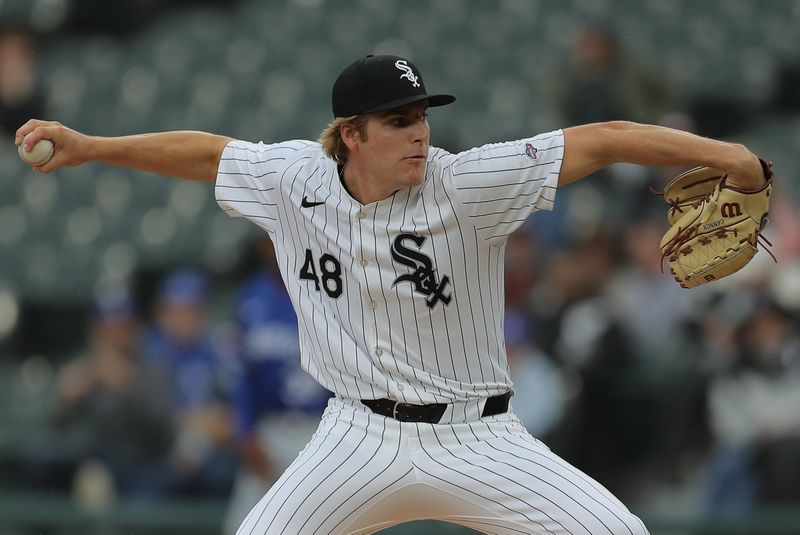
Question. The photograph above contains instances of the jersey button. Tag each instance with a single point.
(361, 214)
(364, 263)
(373, 305)
(400, 388)
(379, 352)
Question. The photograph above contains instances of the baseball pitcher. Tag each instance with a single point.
(392, 253)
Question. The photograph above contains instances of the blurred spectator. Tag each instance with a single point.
(278, 405)
(540, 390)
(602, 82)
(784, 224)
(521, 270)
(654, 320)
(640, 283)
(20, 99)
(753, 399)
(117, 402)
(607, 428)
(202, 459)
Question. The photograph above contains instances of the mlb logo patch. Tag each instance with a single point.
(531, 151)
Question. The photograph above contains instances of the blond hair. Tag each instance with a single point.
(331, 138)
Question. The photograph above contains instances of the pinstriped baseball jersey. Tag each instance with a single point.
(401, 298)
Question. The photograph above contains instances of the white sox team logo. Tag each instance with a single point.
(423, 278)
(409, 75)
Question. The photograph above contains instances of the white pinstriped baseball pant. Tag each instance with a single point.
(362, 472)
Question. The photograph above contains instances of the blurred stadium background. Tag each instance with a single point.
(654, 394)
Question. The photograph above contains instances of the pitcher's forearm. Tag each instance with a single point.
(589, 148)
(659, 146)
(183, 154)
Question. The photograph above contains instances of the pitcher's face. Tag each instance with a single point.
(395, 149)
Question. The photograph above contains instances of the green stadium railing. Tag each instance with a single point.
(55, 513)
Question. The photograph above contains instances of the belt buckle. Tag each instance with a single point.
(394, 409)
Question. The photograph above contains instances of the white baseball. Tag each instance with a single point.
(39, 154)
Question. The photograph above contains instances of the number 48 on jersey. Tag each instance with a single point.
(331, 269)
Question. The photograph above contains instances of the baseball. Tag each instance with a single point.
(39, 155)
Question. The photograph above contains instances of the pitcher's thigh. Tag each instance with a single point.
(337, 476)
(519, 481)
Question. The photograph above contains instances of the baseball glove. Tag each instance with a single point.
(715, 228)
(688, 188)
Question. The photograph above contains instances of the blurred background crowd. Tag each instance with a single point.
(148, 351)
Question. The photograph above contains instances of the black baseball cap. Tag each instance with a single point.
(380, 83)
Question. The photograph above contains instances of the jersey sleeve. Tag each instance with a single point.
(499, 185)
(247, 178)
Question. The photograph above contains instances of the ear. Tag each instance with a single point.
(350, 135)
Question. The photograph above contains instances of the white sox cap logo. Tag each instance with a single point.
(402, 65)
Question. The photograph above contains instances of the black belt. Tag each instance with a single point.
(407, 412)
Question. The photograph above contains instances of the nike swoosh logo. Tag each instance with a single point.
(308, 204)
